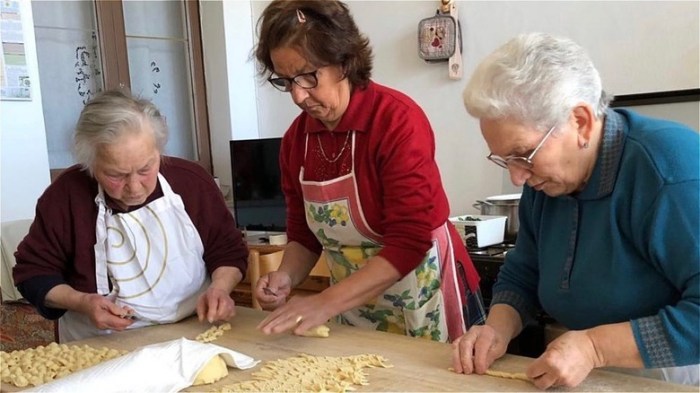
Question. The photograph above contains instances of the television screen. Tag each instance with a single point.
(258, 200)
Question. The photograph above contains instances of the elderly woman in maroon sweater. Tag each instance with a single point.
(361, 183)
(129, 238)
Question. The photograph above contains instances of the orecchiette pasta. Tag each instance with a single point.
(213, 333)
(36, 366)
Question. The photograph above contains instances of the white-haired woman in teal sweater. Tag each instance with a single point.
(609, 231)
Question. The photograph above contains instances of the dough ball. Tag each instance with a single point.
(212, 371)
(318, 331)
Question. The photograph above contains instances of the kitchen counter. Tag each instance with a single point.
(419, 365)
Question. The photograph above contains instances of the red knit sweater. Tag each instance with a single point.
(398, 179)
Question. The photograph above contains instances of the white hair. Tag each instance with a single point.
(534, 79)
(110, 115)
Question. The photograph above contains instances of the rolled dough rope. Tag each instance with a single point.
(503, 374)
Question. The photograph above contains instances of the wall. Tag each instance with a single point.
(628, 40)
(24, 161)
(227, 37)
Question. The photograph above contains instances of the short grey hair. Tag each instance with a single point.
(107, 117)
(534, 79)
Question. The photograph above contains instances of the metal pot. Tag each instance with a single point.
(502, 205)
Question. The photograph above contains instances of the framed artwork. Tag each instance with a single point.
(682, 106)
(15, 83)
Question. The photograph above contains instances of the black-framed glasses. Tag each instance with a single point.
(307, 80)
(518, 161)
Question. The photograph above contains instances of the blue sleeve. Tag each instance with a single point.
(670, 241)
(516, 284)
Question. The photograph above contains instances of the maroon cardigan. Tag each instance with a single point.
(59, 248)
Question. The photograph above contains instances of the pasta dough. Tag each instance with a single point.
(318, 331)
(306, 373)
(503, 374)
(213, 371)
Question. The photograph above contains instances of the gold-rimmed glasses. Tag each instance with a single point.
(519, 161)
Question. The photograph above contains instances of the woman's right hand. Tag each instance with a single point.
(104, 313)
(101, 310)
(477, 349)
(272, 289)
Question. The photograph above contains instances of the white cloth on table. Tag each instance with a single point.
(164, 367)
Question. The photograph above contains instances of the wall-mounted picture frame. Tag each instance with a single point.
(682, 106)
(15, 83)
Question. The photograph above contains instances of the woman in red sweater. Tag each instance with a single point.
(361, 183)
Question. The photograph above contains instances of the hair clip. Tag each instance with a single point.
(301, 17)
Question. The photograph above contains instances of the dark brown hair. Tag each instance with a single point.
(328, 36)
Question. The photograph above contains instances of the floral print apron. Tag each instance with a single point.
(425, 303)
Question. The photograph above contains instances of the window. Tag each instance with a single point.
(154, 48)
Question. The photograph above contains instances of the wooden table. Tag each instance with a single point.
(419, 365)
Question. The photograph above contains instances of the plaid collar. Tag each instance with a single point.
(602, 180)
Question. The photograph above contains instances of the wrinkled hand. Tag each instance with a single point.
(215, 305)
(104, 313)
(300, 314)
(567, 361)
(477, 349)
(279, 286)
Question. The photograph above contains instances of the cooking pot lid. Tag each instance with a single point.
(506, 197)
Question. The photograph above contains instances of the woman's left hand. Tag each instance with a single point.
(215, 305)
(567, 361)
(300, 314)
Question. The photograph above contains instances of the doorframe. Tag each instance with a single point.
(199, 87)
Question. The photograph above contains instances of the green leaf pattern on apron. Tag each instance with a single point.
(321, 234)
(403, 300)
(335, 214)
(424, 331)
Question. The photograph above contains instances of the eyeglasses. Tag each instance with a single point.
(307, 80)
(521, 162)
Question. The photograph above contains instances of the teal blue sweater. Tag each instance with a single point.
(625, 248)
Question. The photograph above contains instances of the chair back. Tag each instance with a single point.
(260, 265)
(11, 234)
